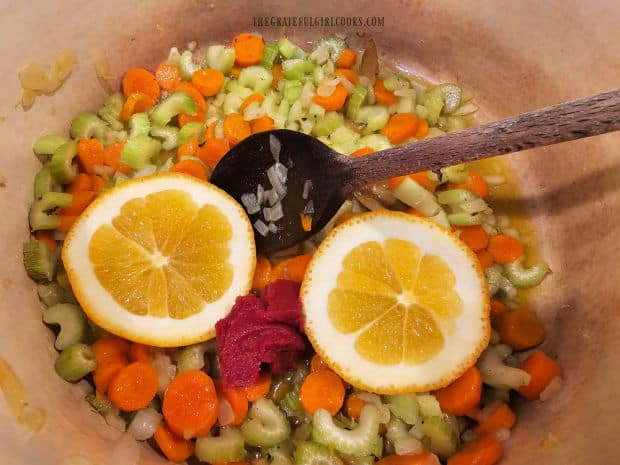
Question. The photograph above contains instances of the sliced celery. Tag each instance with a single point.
(75, 362)
(269, 55)
(311, 453)
(405, 407)
(227, 447)
(178, 102)
(234, 87)
(290, 50)
(455, 196)
(497, 374)
(111, 109)
(256, 78)
(168, 134)
(220, 57)
(191, 357)
(87, 126)
(44, 182)
(61, 164)
(344, 139)
(187, 67)
(405, 105)
(296, 68)
(232, 103)
(72, 322)
(192, 130)
(324, 127)
(102, 406)
(526, 277)
(269, 104)
(375, 117)
(42, 213)
(356, 100)
(451, 96)
(112, 137)
(39, 261)
(359, 441)
(455, 123)
(139, 124)
(138, 151)
(318, 74)
(376, 142)
(292, 90)
(266, 425)
(411, 193)
(442, 438)
(394, 82)
(456, 174)
(50, 294)
(280, 458)
(45, 145)
(429, 406)
(433, 100)
(316, 112)
(464, 219)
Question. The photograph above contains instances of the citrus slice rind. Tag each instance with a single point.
(232, 260)
(459, 332)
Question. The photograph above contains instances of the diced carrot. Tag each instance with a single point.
(175, 448)
(191, 167)
(235, 71)
(134, 386)
(140, 353)
(292, 269)
(259, 389)
(322, 389)
(400, 127)
(383, 95)
(347, 74)
(47, 238)
(542, 370)
(79, 202)
(505, 248)
(485, 258)
(498, 307)
(276, 72)
(317, 363)
(255, 97)
(463, 394)
(89, 154)
(353, 406)
(167, 76)
(474, 183)
(136, 103)
(188, 149)
(306, 222)
(142, 81)
(264, 123)
(212, 151)
(105, 372)
(423, 458)
(66, 221)
(82, 182)
(334, 101)
(475, 237)
(112, 158)
(184, 118)
(98, 183)
(208, 81)
(422, 130)
(236, 128)
(190, 404)
(361, 152)
(201, 104)
(109, 348)
(484, 450)
(501, 418)
(424, 180)
(520, 328)
(347, 58)
(249, 49)
(262, 274)
(238, 401)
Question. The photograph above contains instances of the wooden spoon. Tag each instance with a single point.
(334, 176)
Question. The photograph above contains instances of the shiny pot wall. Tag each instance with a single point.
(514, 56)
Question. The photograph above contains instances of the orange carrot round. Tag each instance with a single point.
(542, 370)
(264, 123)
(89, 154)
(504, 248)
(66, 221)
(47, 238)
(347, 74)
(463, 394)
(475, 237)
(238, 401)
(519, 328)
(109, 348)
(82, 182)
(347, 58)
(422, 129)
(190, 404)
(134, 386)
(167, 76)
(208, 81)
(474, 183)
(137, 102)
(292, 269)
(400, 127)
(334, 101)
(255, 97)
(501, 418)
(112, 158)
(262, 274)
(485, 258)
(259, 389)
(175, 448)
(423, 458)
(142, 81)
(322, 389)
(317, 363)
(498, 307)
(484, 450)
(361, 152)
(383, 95)
(248, 49)
(140, 353)
(353, 406)
(184, 118)
(201, 104)
(212, 151)
(105, 372)
(236, 128)
(191, 167)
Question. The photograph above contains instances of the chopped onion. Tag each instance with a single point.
(407, 445)
(309, 208)
(552, 389)
(490, 230)
(325, 91)
(260, 194)
(272, 227)
(307, 189)
(384, 410)
(466, 109)
(495, 179)
(281, 171)
(225, 413)
(275, 146)
(253, 111)
(113, 419)
(144, 423)
(250, 202)
(347, 84)
(468, 435)
(502, 434)
(261, 227)
(407, 93)
(146, 171)
(166, 370)
(103, 170)
(126, 451)
(364, 81)
(511, 232)
(276, 181)
(272, 197)
(274, 213)
(320, 55)
(473, 206)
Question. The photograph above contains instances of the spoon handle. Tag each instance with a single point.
(551, 125)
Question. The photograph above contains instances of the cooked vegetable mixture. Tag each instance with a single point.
(258, 394)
